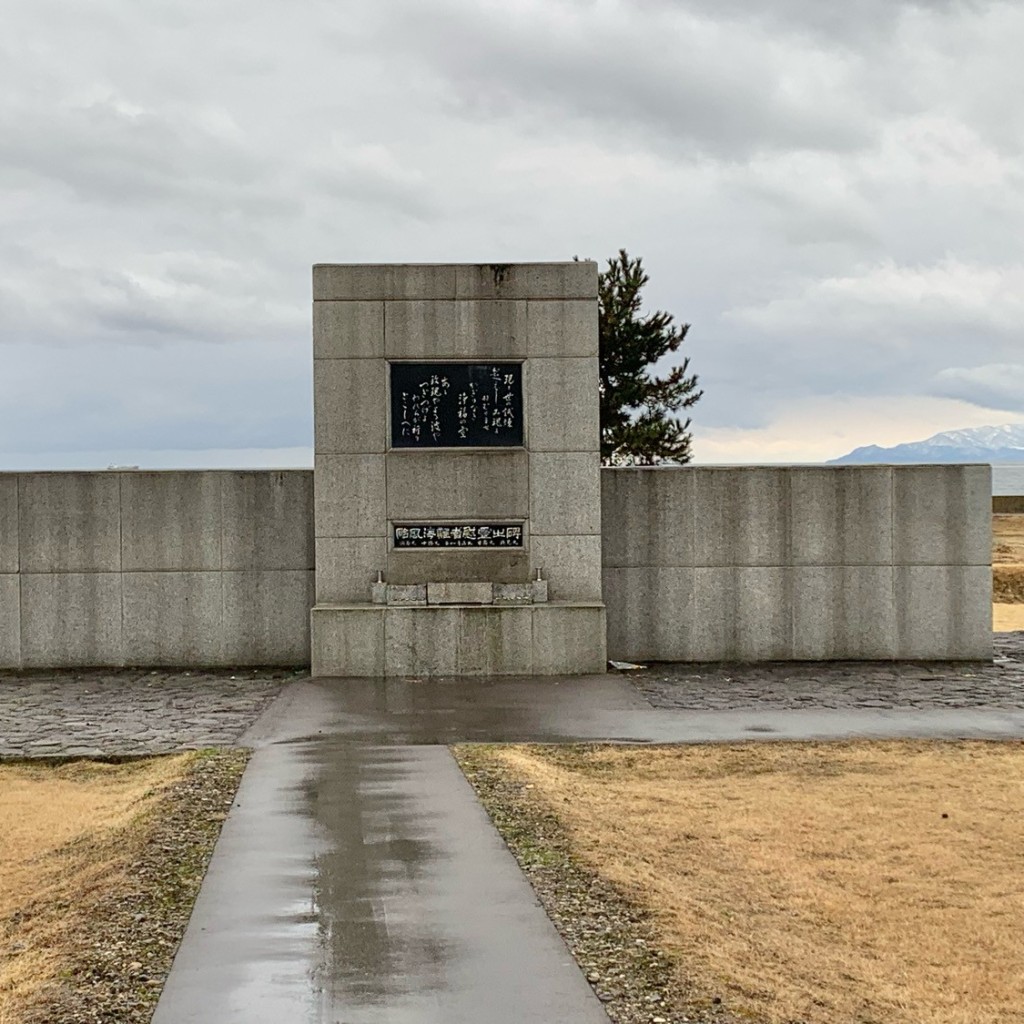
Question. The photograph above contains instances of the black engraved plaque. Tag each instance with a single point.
(458, 535)
(456, 405)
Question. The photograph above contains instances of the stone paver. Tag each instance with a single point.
(146, 712)
(130, 712)
(794, 686)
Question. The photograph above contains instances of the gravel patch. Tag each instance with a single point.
(609, 935)
(122, 952)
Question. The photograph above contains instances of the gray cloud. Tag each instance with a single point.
(97, 396)
(994, 386)
(830, 193)
(668, 81)
(848, 25)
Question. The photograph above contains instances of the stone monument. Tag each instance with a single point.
(457, 494)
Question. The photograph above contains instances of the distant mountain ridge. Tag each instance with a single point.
(975, 444)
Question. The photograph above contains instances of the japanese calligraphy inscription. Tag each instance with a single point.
(456, 405)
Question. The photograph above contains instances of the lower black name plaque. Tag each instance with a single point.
(459, 535)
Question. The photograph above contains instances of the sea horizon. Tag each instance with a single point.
(1008, 478)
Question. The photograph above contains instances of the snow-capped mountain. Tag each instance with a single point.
(975, 444)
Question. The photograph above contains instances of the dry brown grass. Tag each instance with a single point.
(58, 825)
(1007, 617)
(1008, 540)
(827, 883)
(1007, 563)
(1008, 584)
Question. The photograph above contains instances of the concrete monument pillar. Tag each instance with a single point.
(457, 473)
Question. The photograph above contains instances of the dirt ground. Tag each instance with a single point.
(818, 883)
(101, 863)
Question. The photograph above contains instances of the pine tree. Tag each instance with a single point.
(637, 425)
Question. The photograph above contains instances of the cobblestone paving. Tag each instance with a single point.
(130, 712)
(841, 685)
(146, 712)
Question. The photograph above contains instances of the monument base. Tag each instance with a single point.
(458, 639)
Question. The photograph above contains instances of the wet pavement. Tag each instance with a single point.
(355, 884)
(357, 880)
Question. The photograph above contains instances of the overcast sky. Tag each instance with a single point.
(831, 193)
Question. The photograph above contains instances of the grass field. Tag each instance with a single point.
(822, 883)
(1007, 617)
(57, 823)
(100, 866)
(1008, 558)
(1008, 572)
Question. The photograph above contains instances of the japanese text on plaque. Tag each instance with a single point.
(451, 405)
(459, 535)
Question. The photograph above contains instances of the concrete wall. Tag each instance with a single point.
(168, 568)
(216, 568)
(367, 322)
(754, 563)
(1008, 504)
(541, 315)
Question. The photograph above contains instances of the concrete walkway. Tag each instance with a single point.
(364, 885)
(357, 881)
